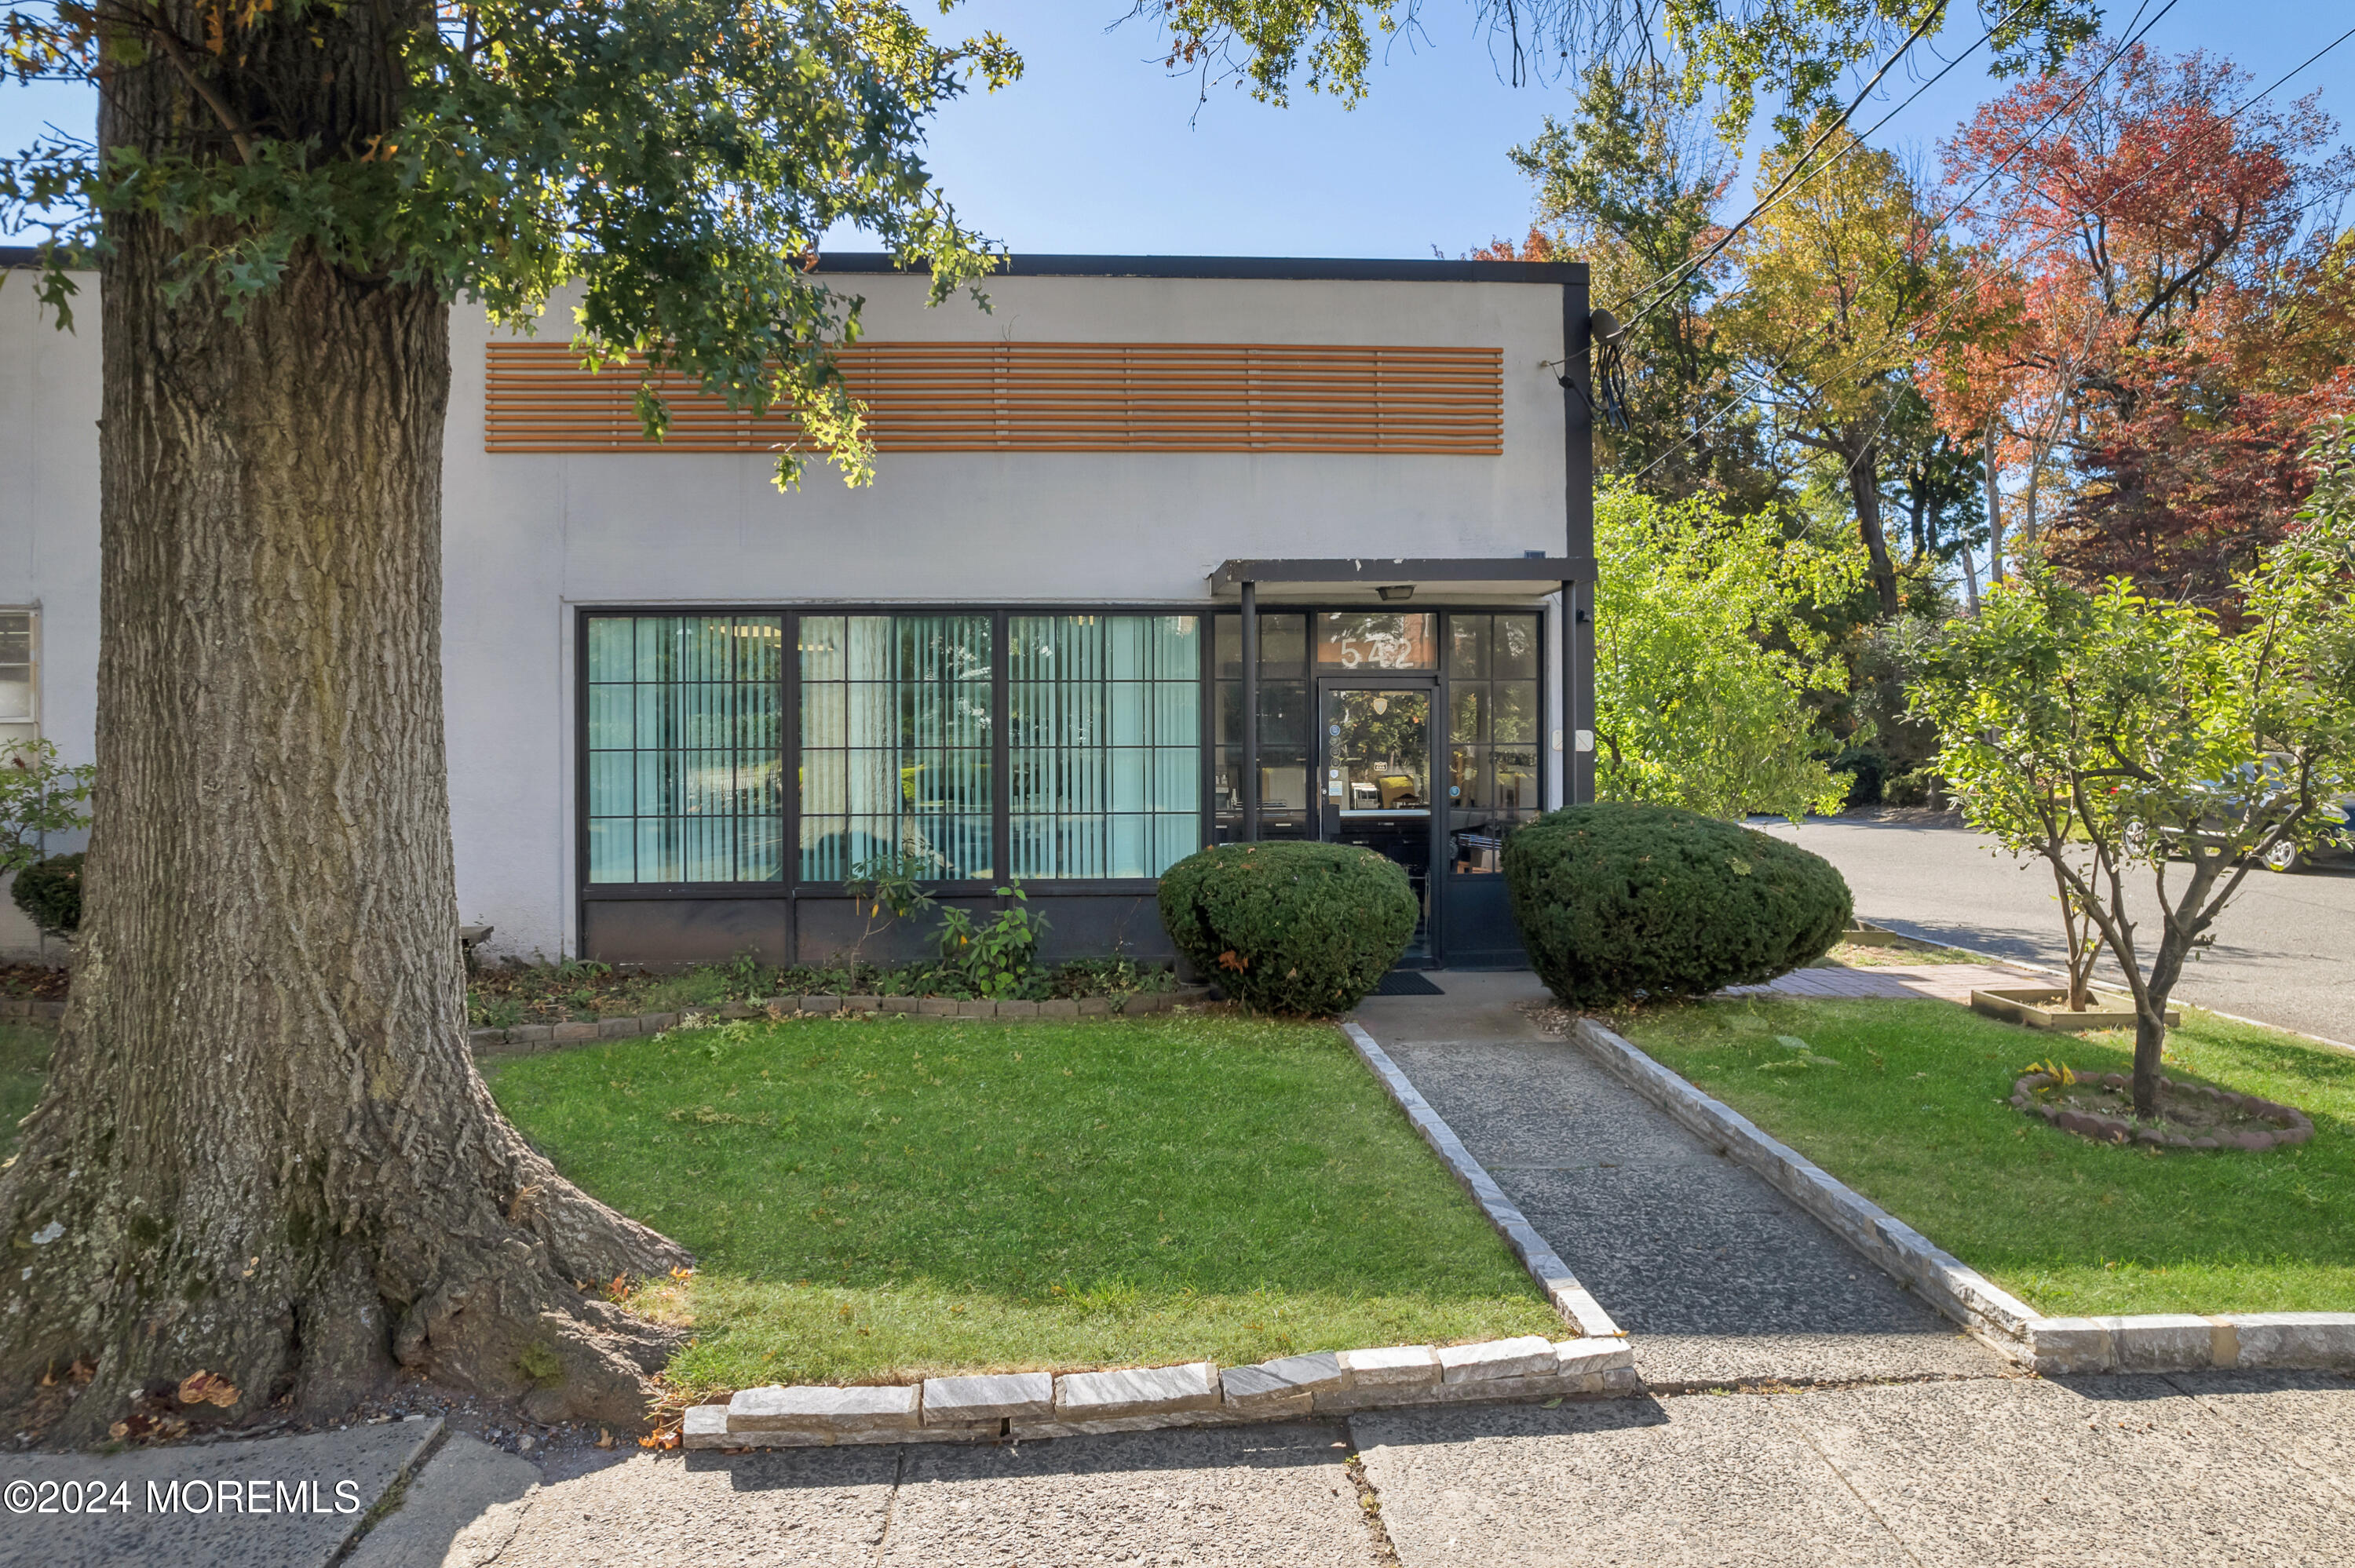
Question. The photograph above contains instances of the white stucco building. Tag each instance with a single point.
(684, 706)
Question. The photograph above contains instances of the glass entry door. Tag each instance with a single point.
(1376, 775)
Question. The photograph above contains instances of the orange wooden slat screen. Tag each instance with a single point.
(1044, 397)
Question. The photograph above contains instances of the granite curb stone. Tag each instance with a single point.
(982, 1407)
(1136, 1390)
(1391, 1366)
(833, 1410)
(1001, 1396)
(1285, 1386)
(1531, 1355)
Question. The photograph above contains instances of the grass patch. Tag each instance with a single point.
(1914, 1117)
(885, 1198)
(24, 1068)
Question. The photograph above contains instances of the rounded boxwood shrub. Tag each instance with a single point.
(1290, 927)
(50, 893)
(1620, 901)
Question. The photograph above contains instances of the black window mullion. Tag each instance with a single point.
(1001, 787)
(789, 743)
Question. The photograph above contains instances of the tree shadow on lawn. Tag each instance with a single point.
(879, 1198)
(1917, 1119)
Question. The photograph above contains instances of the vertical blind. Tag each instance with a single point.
(686, 748)
(1105, 748)
(895, 745)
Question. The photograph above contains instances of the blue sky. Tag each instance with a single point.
(1098, 150)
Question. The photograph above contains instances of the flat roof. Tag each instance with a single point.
(1274, 268)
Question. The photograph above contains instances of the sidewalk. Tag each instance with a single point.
(1716, 1276)
(1899, 982)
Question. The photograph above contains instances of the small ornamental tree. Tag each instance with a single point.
(2113, 734)
(38, 796)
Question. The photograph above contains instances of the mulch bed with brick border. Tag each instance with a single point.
(2100, 1107)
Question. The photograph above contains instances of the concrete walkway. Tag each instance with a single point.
(2214, 1469)
(1895, 982)
(2211, 1469)
(1716, 1276)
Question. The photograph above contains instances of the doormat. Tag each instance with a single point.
(1406, 982)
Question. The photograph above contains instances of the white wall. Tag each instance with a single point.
(528, 537)
(49, 527)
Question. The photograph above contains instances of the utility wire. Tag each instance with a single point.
(1881, 424)
(2075, 100)
(1937, 11)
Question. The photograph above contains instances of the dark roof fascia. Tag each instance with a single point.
(1274, 268)
(1549, 570)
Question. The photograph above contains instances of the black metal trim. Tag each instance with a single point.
(1248, 764)
(1274, 268)
(1549, 570)
(1577, 651)
(1001, 746)
(1270, 269)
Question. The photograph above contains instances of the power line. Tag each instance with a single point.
(2074, 101)
(1937, 11)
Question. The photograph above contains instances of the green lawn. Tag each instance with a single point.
(24, 1067)
(1915, 1116)
(895, 1197)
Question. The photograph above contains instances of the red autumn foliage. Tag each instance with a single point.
(2164, 308)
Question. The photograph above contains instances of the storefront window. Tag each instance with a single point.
(1493, 726)
(895, 721)
(1284, 725)
(1105, 744)
(686, 748)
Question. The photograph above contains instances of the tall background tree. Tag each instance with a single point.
(1629, 186)
(2183, 311)
(265, 1154)
(1841, 279)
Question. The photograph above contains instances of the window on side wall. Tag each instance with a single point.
(1106, 744)
(896, 744)
(20, 686)
(686, 748)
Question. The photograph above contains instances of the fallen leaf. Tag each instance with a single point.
(202, 1387)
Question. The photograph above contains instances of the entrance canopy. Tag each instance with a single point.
(1347, 580)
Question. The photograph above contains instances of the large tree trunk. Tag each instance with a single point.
(264, 1152)
(1864, 488)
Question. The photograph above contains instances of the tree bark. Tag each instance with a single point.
(264, 1152)
(1994, 509)
(1864, 488)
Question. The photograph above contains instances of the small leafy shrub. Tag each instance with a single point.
(1922, 787)
(1867, 772)
(992, 960)
(1618, 901)
(50, 893)
(1113, 977)
(1290, 927)
(38, 796)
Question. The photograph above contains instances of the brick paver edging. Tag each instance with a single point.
(2167, 1342)
(33, 1008)
(1577, 1306)
(560, 1036)
(1141, 1399)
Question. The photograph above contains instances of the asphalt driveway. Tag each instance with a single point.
(2284, 954)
